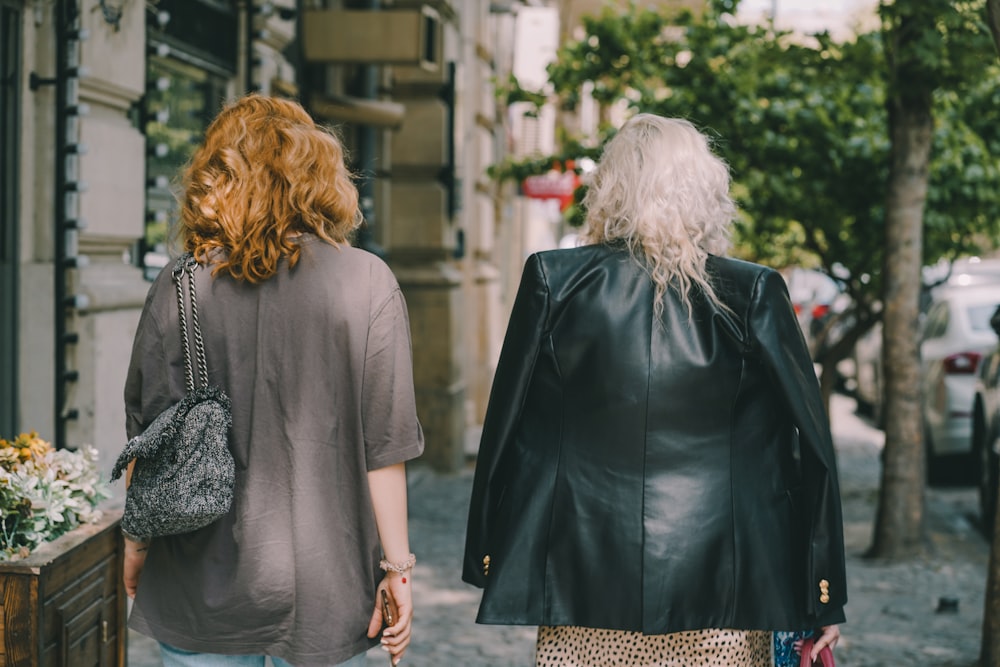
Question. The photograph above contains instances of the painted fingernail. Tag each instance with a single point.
(385, 648)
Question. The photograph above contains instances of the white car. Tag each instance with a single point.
(956, 335)
(869, 384)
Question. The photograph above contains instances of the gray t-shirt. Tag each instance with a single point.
(317, 363)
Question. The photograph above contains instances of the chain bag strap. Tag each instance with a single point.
(185, 265)
(184, 473)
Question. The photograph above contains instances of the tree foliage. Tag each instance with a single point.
(993, 18)
(803, 124)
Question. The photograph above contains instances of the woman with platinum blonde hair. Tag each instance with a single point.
(671, 206)
(309, 338)
(656, 482)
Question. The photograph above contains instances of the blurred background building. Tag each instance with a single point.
(841, 19)
(102, 102)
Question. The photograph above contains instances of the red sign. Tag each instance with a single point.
(553, 185)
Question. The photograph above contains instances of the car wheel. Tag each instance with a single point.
(989, 473)
(862, 407)
(937, 468)
(873, 408)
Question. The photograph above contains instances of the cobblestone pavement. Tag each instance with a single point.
(893, 616)
(894, 611)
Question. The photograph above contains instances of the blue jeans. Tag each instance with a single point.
(175, 657)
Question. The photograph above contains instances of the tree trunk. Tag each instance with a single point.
(993, 17)
(834, 351)
(990, 649)
(827, 382)
(900, 518)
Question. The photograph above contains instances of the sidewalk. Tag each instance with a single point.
(892, 617)
(892, 610)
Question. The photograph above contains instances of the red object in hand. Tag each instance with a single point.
(825, 657)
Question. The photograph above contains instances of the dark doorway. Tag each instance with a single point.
(10, 86)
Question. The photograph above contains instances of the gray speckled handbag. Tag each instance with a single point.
(184, 472)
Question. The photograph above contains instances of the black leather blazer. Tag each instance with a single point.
(654, 476)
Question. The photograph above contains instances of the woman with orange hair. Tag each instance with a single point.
(309, 338)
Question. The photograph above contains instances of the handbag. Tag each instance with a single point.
(184, 473)
(825, 657)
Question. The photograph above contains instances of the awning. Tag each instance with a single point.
(357, 110)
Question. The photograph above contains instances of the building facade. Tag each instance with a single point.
(102, 102)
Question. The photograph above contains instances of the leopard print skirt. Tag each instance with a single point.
(571, 646)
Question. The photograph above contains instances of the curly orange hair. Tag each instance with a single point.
(264, 174)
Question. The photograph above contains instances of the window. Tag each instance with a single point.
(188, 101)
(979, 316)
(188, 78)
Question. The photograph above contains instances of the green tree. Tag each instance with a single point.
(804, 125)
(932, 47)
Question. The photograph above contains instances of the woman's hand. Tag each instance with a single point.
(829, 636)
(396, 638)
(135, 559)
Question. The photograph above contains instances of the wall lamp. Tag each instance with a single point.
(112, 10)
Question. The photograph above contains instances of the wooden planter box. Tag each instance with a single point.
(64, 605)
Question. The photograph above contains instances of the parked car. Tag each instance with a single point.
(869, 388)
(956, 335)
(965, 272)
(986, 428)
(817, 298)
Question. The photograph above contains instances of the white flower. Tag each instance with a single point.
(47, 494)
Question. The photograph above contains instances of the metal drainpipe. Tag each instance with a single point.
(250, 36)
(367, 88)
(67, 187)
(59, 242)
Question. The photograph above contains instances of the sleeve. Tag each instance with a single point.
(392, 433)
(776, 331)
(147, 383)
(510, 386)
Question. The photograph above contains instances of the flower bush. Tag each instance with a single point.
(44, 492)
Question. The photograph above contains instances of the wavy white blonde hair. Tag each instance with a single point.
(661, 190)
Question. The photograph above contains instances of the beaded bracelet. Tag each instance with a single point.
(398, 568)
